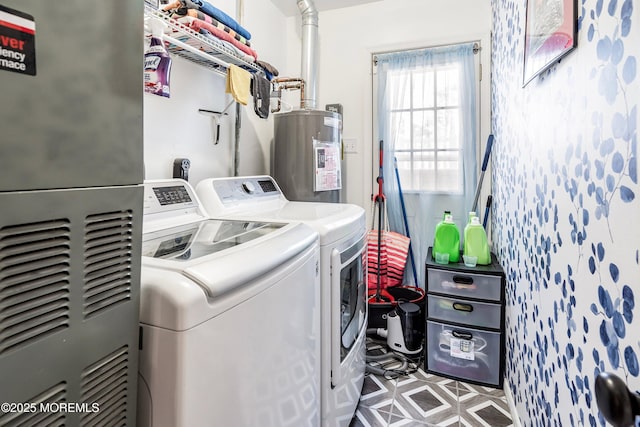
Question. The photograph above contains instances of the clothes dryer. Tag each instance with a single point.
(229, 317)
(342, 233)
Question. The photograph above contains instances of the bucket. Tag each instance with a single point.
(390, 298)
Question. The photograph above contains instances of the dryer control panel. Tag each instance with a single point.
(240, 195)
(246, 188)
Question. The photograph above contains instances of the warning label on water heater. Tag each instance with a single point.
(326, 158)
(17, 41)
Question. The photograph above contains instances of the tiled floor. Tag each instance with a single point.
(420, 399)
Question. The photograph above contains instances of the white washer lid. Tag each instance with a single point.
(221, 255)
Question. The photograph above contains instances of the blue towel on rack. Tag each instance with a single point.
(216, 13)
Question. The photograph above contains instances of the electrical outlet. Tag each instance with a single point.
(181, 168)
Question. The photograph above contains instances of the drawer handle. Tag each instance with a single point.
(463, 280)
(462, 307)
(462, 335)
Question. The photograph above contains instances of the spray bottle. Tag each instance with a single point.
(157, 63)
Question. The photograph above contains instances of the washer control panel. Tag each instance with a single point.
(170, 195)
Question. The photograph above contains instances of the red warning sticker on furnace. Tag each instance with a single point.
(17, 41)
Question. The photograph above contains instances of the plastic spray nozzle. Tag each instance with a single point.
(157, 27)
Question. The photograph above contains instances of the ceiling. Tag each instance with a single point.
(290, 7)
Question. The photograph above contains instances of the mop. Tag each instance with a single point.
(378, 200)
(386, 255)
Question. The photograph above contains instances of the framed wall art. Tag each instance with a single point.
(550, 33)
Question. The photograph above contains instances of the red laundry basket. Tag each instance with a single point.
(393, 249)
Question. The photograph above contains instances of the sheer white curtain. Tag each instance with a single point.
(427, 119)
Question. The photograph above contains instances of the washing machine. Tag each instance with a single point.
(342, 233)
(229, 317)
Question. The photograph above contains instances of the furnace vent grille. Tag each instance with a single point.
(107, 261)
(48, 399)
(34, 282)
(105, 383)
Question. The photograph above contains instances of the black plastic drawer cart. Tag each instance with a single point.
(465, 321)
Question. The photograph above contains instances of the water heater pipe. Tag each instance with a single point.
(286, 83)
(309, 52)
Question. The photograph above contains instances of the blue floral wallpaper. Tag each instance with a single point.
(566, 211)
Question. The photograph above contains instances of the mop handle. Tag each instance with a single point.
(380, 201)
(486, 211)
(485, 162)
(487, 153)
(380, 178)
(406, 222)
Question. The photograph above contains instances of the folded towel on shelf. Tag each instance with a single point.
(180, 8)
(238, 52)
(216, 13)
(241, 54)
(261, 91)
(198, 24)
(206, 18)
(238, 83)
(269, 69)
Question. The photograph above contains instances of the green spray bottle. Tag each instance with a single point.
(447, 239)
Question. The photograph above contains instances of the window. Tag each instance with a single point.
(428, 148)
(427, 115)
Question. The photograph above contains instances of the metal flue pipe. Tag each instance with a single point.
(309, 51)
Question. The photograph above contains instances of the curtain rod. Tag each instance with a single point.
(476, 48)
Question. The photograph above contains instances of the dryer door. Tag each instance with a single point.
(348, 300)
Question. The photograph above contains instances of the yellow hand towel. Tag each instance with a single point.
(238, 82)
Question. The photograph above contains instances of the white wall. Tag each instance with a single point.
(174, 128)
(349, 36)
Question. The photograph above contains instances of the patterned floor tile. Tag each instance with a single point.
(422, 399)
(465, 388)
(427, 402)
(479, 410)
(396, 421)
(368, 417)
(421, 375)
(376, 389)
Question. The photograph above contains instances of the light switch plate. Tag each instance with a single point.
(350, 145)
